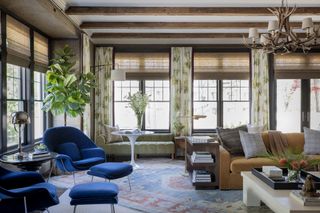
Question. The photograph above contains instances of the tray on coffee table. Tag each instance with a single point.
(284, 185)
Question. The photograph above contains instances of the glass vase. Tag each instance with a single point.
(293, 175)
(139, 122)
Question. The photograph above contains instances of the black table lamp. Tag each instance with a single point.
(20, 119)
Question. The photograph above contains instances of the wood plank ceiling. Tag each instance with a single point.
(178, 21)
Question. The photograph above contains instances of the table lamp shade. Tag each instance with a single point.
(20, 117)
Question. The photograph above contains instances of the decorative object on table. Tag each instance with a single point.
(41, 147)
(68, 91)
(40, 151)
(138, 103)
(308, 188)
(294, 163)
(20, 118)
(76, 152)
(283, 184)
(272, 171)
(280, 37)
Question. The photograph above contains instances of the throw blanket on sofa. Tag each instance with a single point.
(278, 143)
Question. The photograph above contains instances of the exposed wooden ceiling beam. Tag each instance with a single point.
(178, 11)
(176, 25)
(166, 35)
(169, 35)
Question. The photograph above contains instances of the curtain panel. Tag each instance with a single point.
(260, 89)
(103, 90)
(181, 88)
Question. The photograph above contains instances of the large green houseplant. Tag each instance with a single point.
(68, 91)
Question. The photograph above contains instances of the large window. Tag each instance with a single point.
(236, 103)
(17, 92)
(123, 115)
(39, 115)
(158, 110)
(289, 105)
(220, 90)
(205, 103)
(148, 73)
(315, 104)
(15, 99)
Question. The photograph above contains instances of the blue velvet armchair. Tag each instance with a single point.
(75, 150)
(25, 192)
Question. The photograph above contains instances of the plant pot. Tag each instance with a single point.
(293, 175)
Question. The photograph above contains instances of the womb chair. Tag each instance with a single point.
(75, 150)
(25, 192)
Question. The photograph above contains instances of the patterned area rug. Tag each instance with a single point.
(161, 186)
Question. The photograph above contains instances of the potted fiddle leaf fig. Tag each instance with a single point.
(68, 92)
(138, 103)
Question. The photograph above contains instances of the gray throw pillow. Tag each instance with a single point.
(311, 141)
(230, 139)
(252, 144)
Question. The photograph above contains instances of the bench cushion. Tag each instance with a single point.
(111, 170)
(94, 193)
(141, 147)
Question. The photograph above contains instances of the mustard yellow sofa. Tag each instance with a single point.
(232, 166)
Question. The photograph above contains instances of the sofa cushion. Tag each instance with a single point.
(240, 163)
(252, 144)
(154, 137)
(312, 141)
(71, 149)
(230, 139)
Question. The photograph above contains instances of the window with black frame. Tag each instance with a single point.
(39, 115)
(15, 99)
(220, 90)
(148, 73)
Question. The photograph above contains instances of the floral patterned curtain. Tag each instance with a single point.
(103, 90)
(260, 89)
(86, 69)
(181, 88)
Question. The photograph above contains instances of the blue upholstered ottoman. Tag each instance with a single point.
(112, 170)
(94, 193)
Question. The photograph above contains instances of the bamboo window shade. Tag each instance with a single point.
(143, 66)
(40, 52)
(297, 66)
(221, 66)
(18, 42)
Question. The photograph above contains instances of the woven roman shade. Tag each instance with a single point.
(40, 52)
(18, 41)
(297, 66)
(143, 66)
(221, 66)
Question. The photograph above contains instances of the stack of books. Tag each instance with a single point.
(201, 157)
(39, 154)
(305, 201)
(201, 176)
(200, 139)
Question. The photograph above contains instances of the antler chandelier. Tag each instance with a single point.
(280, 37)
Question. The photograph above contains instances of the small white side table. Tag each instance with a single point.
(132, 136)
